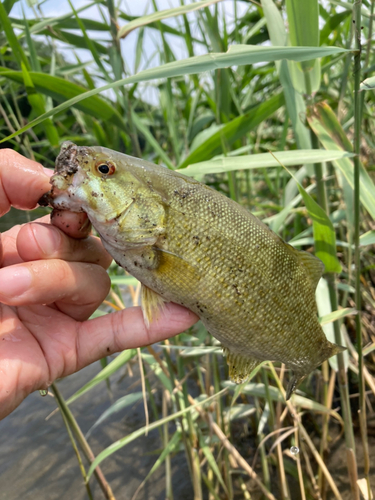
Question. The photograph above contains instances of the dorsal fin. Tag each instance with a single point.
(313, 265)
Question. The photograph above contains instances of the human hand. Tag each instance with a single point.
(52, 278)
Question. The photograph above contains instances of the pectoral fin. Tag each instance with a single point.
(240, 366)
(152, 304)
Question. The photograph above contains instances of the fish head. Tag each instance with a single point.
(94, 180)
(113, 189)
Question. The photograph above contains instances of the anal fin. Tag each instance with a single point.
(152, 304)
(240, 366)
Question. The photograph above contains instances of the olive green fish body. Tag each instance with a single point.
(193, 246)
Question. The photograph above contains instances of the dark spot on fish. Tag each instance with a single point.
(135, 263)
(108, 349)
(94, 194)
(182, 193)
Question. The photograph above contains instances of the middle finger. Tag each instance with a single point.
(36, 241)
(76, 288)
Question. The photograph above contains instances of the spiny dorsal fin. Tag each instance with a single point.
(152, 304)
(313, 265)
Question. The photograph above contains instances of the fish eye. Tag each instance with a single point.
(105, 168)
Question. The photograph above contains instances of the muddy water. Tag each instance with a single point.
(37, 460)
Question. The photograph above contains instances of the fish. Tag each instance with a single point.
(189, 244)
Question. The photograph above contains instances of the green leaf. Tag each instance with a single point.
(52, 21)
(335, 315)
(62, 90)
(71, 23)
(294, 101)
(109, 370)
(172, 445)
(158, 26)
(324, 307)
(117, 406)
(299, 78)
(37, 103)
(368, 84)
(332, 23)
(324, 233)
(8, 5)
(263, 160)
(117, 445)
(77, 41)
(151, 140)
(162, 14)
(89, 43)
(17, 50)
(234, 130)
(330, 133)
(259, 390)
(303, 20)
(239, 411)
(35, 64)
(236, 55)
(187, 352)
(349, 6)
(212, 462)
(367, 238)
(164, 379)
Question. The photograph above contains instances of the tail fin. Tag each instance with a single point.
(328, 350)
(336, 349)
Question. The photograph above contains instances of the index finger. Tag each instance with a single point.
(22, 181)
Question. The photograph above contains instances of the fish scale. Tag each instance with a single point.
(189, 244)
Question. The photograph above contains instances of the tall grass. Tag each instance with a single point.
(280, 77)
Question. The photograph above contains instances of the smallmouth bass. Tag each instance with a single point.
(189, 244)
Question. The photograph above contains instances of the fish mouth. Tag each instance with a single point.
(66, 161)
(67, 165)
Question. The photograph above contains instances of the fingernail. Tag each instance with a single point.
(48, 171)
(14, 281)
(47, 238)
